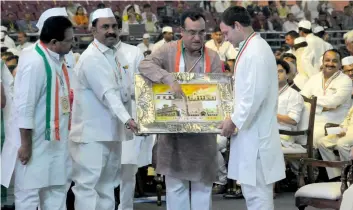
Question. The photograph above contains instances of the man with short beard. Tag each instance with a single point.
(99, 118)
(333, 90)
(41, 121)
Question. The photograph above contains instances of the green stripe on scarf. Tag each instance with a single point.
(3, 189)
(48, 91)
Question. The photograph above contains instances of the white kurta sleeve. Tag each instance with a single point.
(295, 106)
(31, 78)
(105, 88)
(253, 92)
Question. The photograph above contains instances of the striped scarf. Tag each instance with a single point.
(52, 121)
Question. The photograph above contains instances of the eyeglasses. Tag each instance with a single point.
(193, 33)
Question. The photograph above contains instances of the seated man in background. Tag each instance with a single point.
(343, 142)
(333, 90)
(347, 66)
(290, 106)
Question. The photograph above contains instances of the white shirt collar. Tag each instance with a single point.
(104, 48)
(55, 56)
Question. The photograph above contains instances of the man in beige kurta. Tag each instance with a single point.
(185, 158)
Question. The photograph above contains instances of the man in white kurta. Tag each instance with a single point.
(226, 51)
(256, 159)
(145, 45)
(347, 66)
(333, 90)
(136, 152)
(290, 107)
(41, 126)
(167, 37)
(347, 203)
(99, 118)
(6, 41)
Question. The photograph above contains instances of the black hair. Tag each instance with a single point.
(101, 5)
(216, 29)
(192, 14)
(288, 55)
(12, 57)
(7, 54)
(284, 64)
(236, 13)
(94, 23)
(54, 28)
(79, 8)
(320, 34)
(300, 45)
(4, 49)
(332, 50)
(304, 30)
(292, 34)
(146, 6)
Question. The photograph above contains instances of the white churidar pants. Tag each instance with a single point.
(261, 196)
(127, 186)
(347, 203)
(95, 168)
(326, 146)
(222, 169)
(47, 198)
(178, 196)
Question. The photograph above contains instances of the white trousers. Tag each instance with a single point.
(180, 198)
(319, 132)
(95, 168)
(47, 198)
(328, 144)
(127, 186)
(260, 196)
(222, 169)
(347, 203)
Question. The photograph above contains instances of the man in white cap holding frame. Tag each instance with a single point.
(167, 37)
(100, 118)
(41, 120)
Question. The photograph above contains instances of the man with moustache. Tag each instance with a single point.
(41, 119)
(185, 158)
(333, 90)
(99, 118)
(347, 66)
(256, 159)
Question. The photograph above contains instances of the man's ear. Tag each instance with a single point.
(53, 41)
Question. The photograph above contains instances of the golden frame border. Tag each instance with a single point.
(145, 111)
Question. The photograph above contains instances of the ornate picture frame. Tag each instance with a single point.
(208, 101)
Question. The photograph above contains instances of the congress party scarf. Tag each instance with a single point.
(180, 63)
(52, 121)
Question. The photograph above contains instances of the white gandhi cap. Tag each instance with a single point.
(299, 40)
(347, 61)
(58, 11)
(102, 13)
(146, 36)
(304, 24)
(167, 29)
(318, 29)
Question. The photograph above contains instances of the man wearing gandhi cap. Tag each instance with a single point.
(100, 118)
(145, 45)
(167, 37)
(41, 118)
(5, 39)
(347, 66)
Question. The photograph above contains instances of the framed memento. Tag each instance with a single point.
(207, 102)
